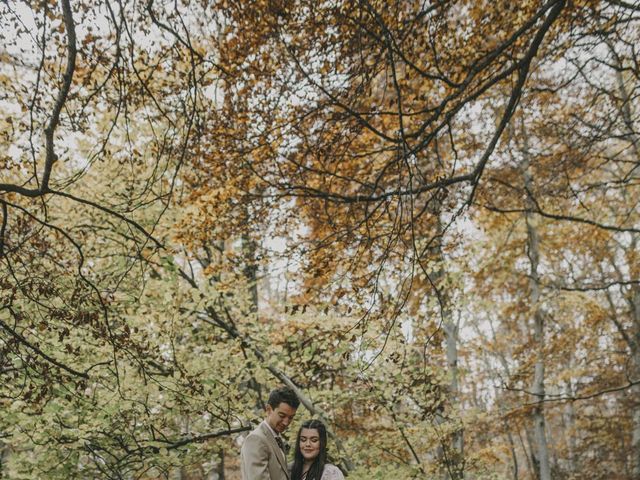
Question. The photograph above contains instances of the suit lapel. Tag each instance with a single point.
(275, 448)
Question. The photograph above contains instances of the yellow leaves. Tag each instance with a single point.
(274, 153)
(88, 39)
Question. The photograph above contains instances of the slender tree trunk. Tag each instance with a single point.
(221, 466)
(456, 467)
(631, 337)
(501, 405)
(570, 420)
(217, 472)
(538, 389)
(534, 463)
(635, 353)
(634, 294)
(250, 271)
(635, 439)
(512, 446)
(451, 329)
(512, 449)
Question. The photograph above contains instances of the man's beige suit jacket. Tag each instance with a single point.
(261, 458)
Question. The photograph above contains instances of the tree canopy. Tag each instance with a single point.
(423, 216)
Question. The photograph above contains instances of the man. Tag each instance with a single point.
(262, 456)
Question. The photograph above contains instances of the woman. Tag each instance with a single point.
(310, 460)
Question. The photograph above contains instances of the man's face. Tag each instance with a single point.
(280, 417)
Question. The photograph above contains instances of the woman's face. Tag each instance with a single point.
(309, 443)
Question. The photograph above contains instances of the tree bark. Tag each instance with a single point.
(570, 419)
(451, 328)
(633, 297)
(634, 301)
(501, 404)
(250, 270)
(538, 388)
(534, 463)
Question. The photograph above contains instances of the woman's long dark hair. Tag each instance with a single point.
(317, 467)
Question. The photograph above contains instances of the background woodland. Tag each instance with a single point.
(423, 215)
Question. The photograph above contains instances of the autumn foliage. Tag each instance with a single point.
(421, 215)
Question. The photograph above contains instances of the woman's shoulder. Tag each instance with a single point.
(331, 472)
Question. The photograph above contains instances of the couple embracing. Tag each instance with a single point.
(264, 456)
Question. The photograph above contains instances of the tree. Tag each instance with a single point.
(153, 152)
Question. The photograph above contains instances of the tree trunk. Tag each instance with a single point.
(451, 329)
(538, 389)
(454, 457)
(501, 404)
(635, 390)
(633, 297)
(512, 449)
(534, 463)
(3, 451)
(570, 420)
(515, 469)
(217, 472)
(631, 337)
(250, 271)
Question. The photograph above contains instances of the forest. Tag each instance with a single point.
(421, 215)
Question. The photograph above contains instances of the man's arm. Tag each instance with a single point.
(254, 457)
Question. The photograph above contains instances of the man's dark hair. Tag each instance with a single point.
(283, 395)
